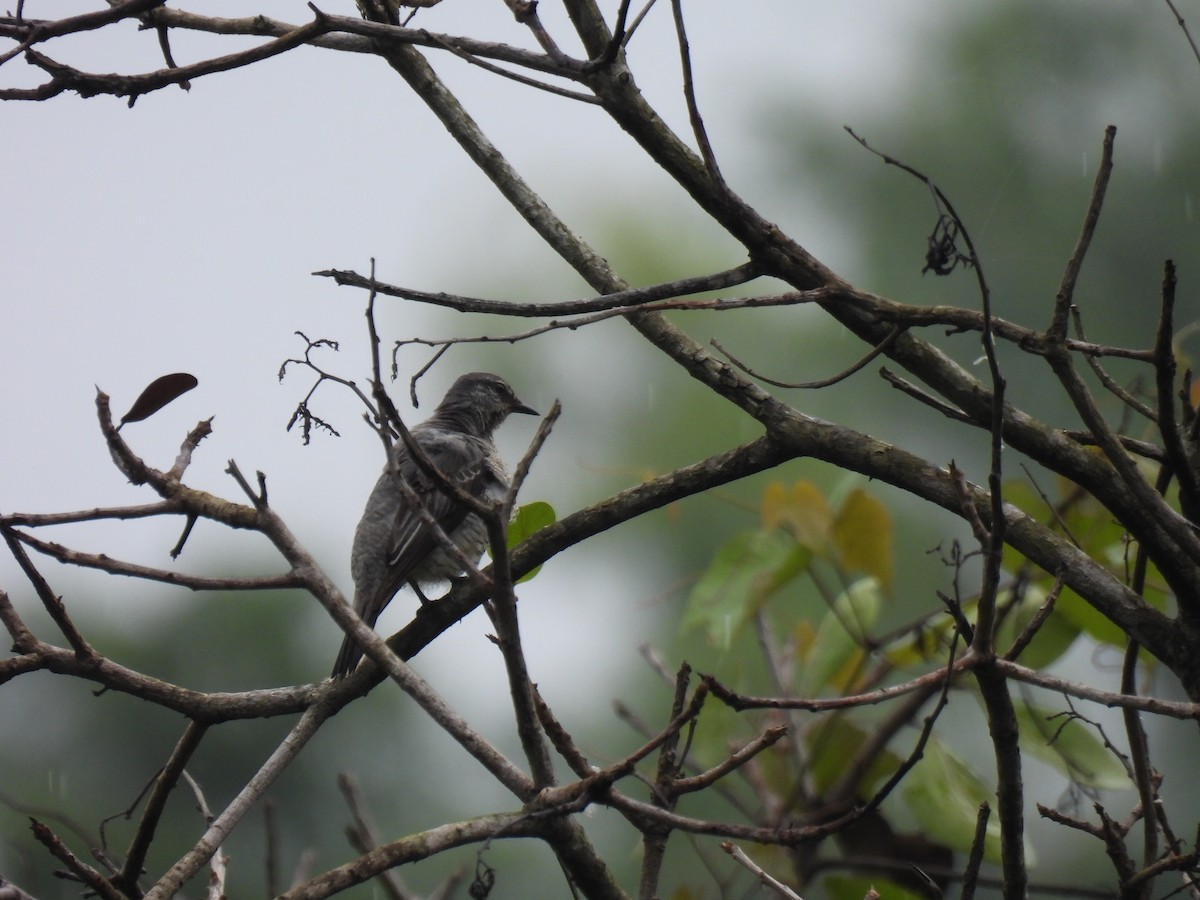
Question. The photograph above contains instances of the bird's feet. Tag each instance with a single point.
(425, 601)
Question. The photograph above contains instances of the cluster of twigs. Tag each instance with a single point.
(1164, 537)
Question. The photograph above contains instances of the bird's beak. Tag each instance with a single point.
(522, 408)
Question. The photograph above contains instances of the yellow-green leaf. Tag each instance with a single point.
(802, 509)
(862, 533)
(923, 643)
(530, 518)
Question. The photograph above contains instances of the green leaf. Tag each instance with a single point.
(837, 648)
(944, 796)
(1071, 747)
(528, 519)
(1087, 618)
(834, 740)
(746, 572)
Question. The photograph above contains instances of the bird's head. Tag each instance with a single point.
(481, 401)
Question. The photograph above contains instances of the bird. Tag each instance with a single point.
(394, 544)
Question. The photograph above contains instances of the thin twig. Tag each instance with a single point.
(521, 472)
(78, 868)
(1055, 511)
(1064, 298)
(113, 566)
(764, 878)
(412, 382)
(1031, 628)
(164, 784)
(1186, 33)
(722, 304)
(132, 86)
(663, 794)
(907, 387)
(164, 43)
(631, 297)
(975, 858)
(22, 638)
(364, 835)
(514, 76)
(1164, 369)
(526, 13)
(89, 21)
(271, 840)
(50, 600)
(220, 828)
(689, 94)
(564, 743)
(1107, 380)
(879, 348)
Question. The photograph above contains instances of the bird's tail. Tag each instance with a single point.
(347, 658)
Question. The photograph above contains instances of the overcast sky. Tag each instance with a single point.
(180, 236)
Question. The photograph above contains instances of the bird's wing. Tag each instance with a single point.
(463, 462)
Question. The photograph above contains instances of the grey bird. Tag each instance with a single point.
(394, 544)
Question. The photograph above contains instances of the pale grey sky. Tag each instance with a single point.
(180, 236)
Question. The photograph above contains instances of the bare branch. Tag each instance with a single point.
(196, 858)
(415, 847)
(65, 77)
(1164, 352)
(626, 298)
(78, 868)
(1183, 27)
(164, 783)
(514, 76)
(689, 94)
(734, 761)
(38, 32)
(364, 835)
(1064, 299)
(1105, 379)
(106, 563)
(824, 382)
(23, 639)
(759, 872)
(975, 860)
(51, 601)
(718, 305)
